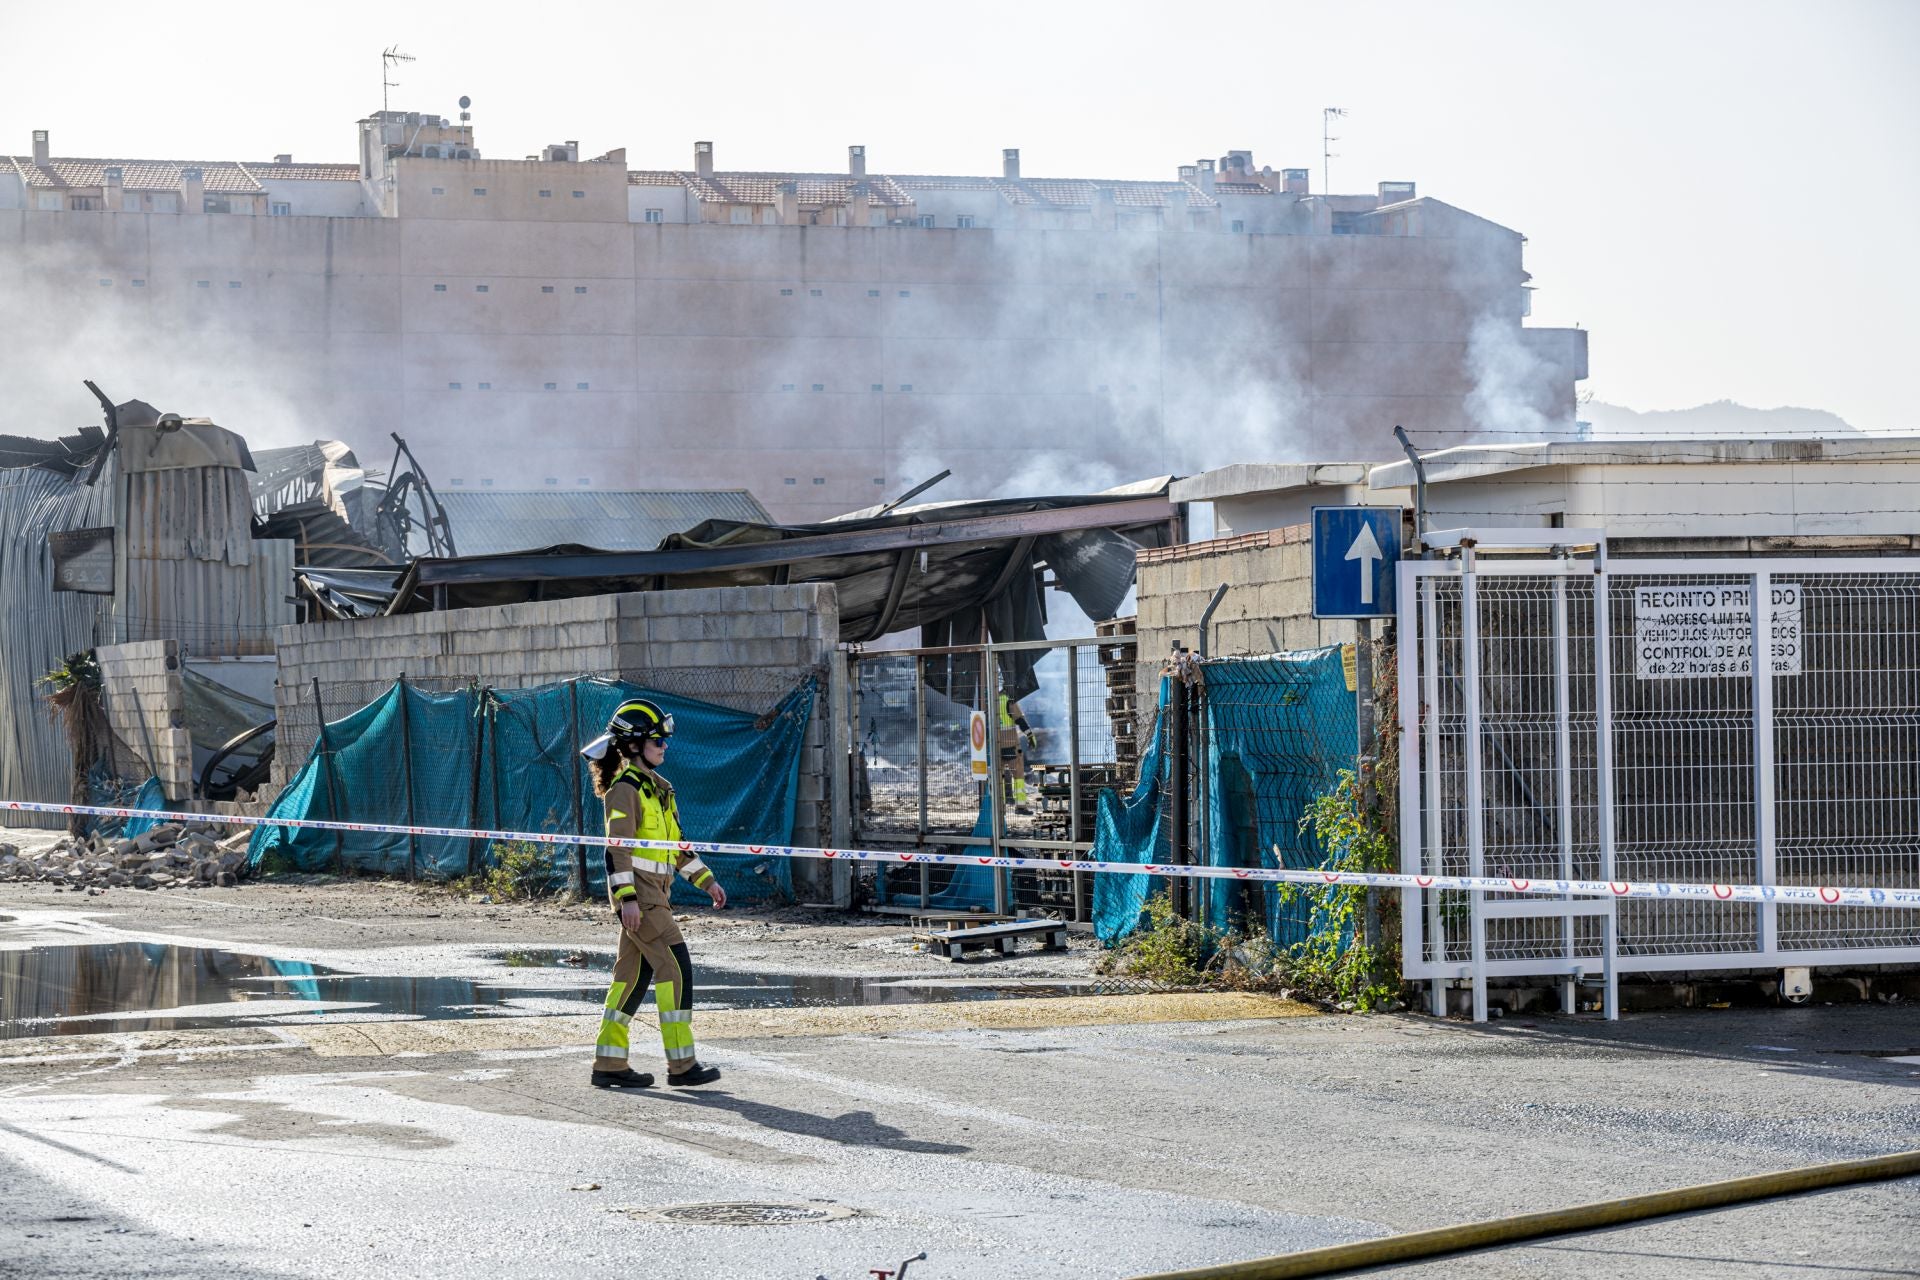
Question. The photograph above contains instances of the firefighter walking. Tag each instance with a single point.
(640, 806)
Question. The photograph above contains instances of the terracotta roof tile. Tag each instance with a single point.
(321, 172)
(221, 176)
(887, 190)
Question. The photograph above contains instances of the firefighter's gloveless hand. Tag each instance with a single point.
(718, 894)
(629, 916)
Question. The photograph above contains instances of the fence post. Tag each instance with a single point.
(1180, 890)
(1363, 761)
(841, 732)
(333, 781)
(996, 775)
(1475, 789)
(579, 875)
(920, 749)
(1430, 809)
(479, 695)
(1603, 772)
(406, 751)
(1765, 850)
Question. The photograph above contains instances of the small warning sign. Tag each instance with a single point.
(977, 739)
(1689, 632)
(1350, 665)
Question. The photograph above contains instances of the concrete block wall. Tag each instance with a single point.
(1268, 607)
(740, 647)
(144, 694)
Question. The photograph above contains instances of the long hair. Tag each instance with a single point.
(608, 766)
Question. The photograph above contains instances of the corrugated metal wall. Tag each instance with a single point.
(194, 572)
(38, 626)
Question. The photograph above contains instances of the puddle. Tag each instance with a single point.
(129, 986)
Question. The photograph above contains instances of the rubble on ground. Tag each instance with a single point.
(172, 856)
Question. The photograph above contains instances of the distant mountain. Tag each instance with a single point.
(1721, 418)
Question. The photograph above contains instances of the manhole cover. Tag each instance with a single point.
(745, 1213)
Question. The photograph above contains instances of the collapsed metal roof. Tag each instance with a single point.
(492, 522)
(907, 568)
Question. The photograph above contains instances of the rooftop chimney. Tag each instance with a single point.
(573, 148)
(703, 159)
(40, 156)
(193, 190)
(1206, 176)
(857, 161)
(786, 199)
(285, 157)
(1010, 163)
(1294, 181)
(113, 188)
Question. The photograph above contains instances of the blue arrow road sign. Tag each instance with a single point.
(1354, 551)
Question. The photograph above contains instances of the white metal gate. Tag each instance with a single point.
(1569, 718)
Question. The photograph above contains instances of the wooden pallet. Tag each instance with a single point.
(998, 939)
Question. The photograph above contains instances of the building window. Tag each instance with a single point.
(233, 284)
(203, 284)
(553, 479)
(742, 214)
(1129, 296)
(579, 386)
(106, 284)
(546, 288)
(280, 209)
(486, 484)
(1099, 297)
(873, 293)
(814, 293)
(480, 191)
(83, 203)
(1239, 226)
(138, 284)
(457, 482)
(439, 288)
(925, 220)
(579, 195)
(553, 386)
(791, 480)
(453, 386)
(787, 386)
(786, 293)
(879, 480)
(546, 195)
(906, 386)
(480, 288)
(906, 293)
(819, 479)
(879, 386)
(579, 288)
(583, 482)
(439, 191)
(486, 386)
(819, 386)
(964, 221)
(655, 215)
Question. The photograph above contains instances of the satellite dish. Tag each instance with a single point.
(465, 102)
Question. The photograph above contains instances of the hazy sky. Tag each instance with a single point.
(1721, 192)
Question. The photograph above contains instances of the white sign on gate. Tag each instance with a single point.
(1690, 631)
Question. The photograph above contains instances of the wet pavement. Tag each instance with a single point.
(139, 986)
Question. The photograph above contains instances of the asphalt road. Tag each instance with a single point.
(1003, 1150)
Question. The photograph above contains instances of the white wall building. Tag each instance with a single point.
(824, 340)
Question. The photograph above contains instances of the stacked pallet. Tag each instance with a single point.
(1123, 711)
(1055, 819)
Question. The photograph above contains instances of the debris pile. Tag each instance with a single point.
(174, 856)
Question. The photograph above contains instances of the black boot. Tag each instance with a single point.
(694, 1075)
(624, 1078)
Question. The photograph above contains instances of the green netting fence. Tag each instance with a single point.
(1261, 737)
(507, 759)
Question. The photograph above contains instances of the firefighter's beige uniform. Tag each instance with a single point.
(640, 806)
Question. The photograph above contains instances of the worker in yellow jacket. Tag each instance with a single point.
(640, 806)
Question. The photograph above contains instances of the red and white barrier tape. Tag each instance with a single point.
(1816, 895)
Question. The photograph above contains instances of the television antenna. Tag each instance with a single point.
(1327, 139)
(389, 59)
